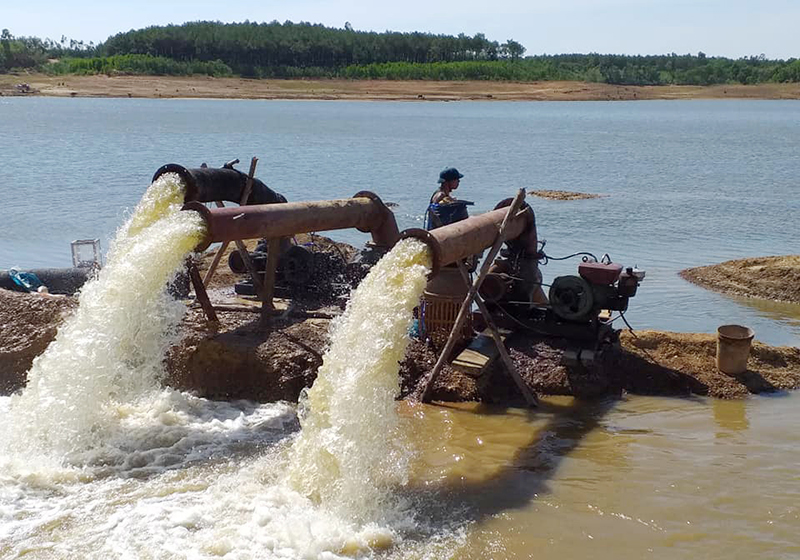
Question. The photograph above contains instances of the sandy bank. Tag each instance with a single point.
(234, 359)
(774, 278)
(377, 90)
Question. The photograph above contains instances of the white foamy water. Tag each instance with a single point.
(109, 352)
(98, 461)
(350, 449)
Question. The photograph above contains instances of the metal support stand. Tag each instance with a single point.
(267, 307)
(265, 289)
(465, 307)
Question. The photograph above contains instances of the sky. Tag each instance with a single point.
(730, 28)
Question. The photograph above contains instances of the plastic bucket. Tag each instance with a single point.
(733, 348)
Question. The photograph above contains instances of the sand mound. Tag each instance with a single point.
(774, 278)
(653, 360)
(28, 323)
(235, 359)
(563, 195)
(645, 363)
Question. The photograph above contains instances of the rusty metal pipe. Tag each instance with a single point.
(467, 237)
(365, 212)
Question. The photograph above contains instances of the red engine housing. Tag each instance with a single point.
(600, 273)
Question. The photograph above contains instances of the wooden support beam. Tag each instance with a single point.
(530, 396)
(467, 303)
(200, 291)
(248, 187)
(273, 250)
(215, 263)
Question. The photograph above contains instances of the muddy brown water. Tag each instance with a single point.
(636, 478)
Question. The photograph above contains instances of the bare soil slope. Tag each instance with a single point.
(775, 278)
(28, 323)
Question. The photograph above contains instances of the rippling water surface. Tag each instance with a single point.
(686, 184)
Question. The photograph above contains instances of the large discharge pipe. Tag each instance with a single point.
(207, 184)
(472, 235)
(365, 212)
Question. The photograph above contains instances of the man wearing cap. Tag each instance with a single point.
(448, 182)
(444, 208)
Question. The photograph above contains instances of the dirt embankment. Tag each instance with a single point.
(774, 278)
(378, 90)
(28, 323)
(237, 359)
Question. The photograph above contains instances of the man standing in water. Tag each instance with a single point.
(448, 182)
(444, 208)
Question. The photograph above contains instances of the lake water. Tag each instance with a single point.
(686, 184)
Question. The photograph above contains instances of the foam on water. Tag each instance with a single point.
(109, 353)
(98, 461)
(350, 449)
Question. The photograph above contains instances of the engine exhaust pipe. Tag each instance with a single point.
(365, 212)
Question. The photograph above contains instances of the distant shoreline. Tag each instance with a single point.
(202, 87)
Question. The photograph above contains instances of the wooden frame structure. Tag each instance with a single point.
(473, 295)
(265, 289)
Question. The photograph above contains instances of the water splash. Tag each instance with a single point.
(110, 351)
(349, 450)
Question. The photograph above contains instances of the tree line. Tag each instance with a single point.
(304, 50)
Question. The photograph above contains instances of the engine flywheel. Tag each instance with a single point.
(571, 298)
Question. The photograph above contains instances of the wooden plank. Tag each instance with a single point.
(476, 358)
(530, 396)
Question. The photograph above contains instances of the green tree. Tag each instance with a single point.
(512, 49)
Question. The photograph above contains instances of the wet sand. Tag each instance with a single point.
(774, 278)
(563, 195)
(376, 90)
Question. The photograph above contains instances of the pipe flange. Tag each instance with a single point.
(188, 180)
(426, 237)
(205, 213)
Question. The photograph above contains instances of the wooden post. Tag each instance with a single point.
(248, 186)
(530, 396)
(215, 263)
(200, 291)
(467, 303)
(267, 306)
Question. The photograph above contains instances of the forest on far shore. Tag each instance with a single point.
(305, 50)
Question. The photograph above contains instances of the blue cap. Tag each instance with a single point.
(449, 174)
